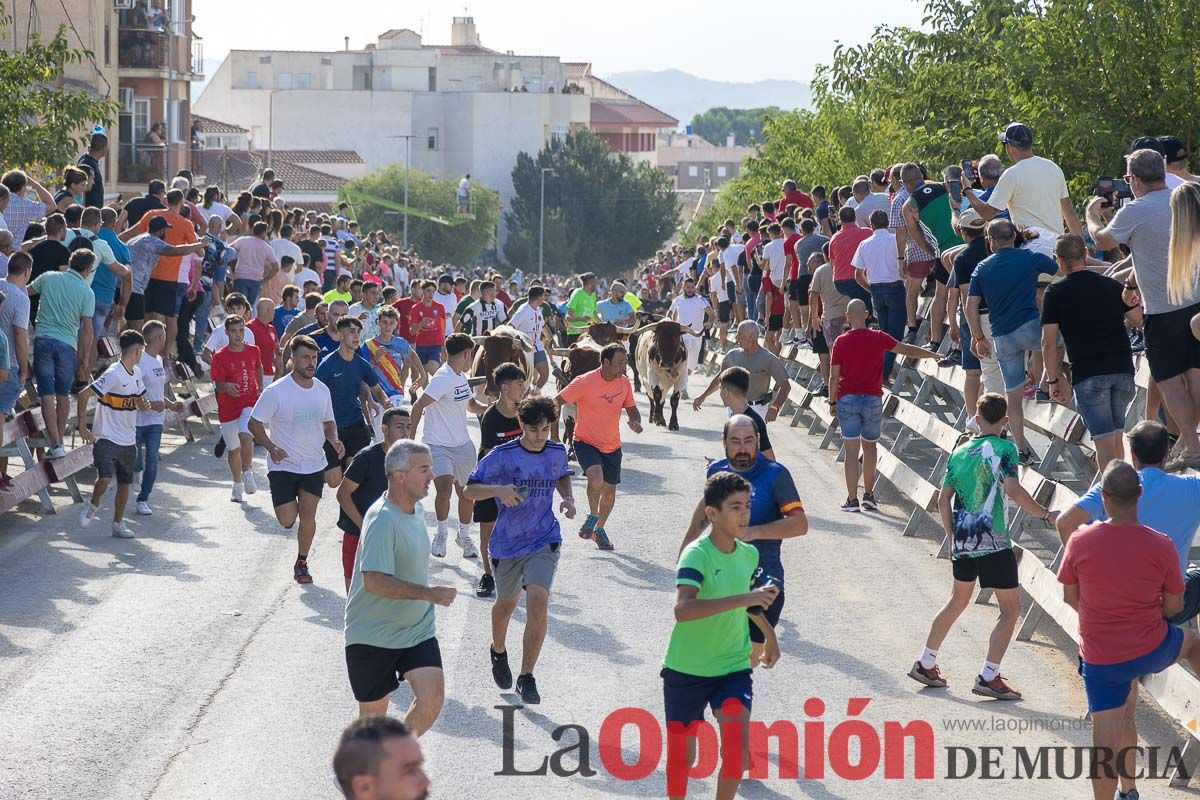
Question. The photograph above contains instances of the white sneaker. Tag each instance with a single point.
(121, 531)
(87, 515)
(58, 451)
(464, 541)
(438, 548)
(237, 493)
(248, 482)
(143, 508)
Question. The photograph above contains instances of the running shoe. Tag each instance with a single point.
(143, 508)
(1183, 459)
(248, 482)
(932, 345)
(851, 505)
(58, 451)
(487, 586)
(463, 540)
(1137, 342)
(87, 514)
(121, 531)
(501, 674)
(868, 502)
(236, 497)
(822, 392)
(219, 449)
(438, 548)
(1132, 794)
(995, 688)
(930, 677)
(527, 688)
(589, 525)
(602, 540)
(952, 359)
(1042, 396)
(1027, 457)
(300, 571)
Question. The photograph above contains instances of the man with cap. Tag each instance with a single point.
(1176, 154)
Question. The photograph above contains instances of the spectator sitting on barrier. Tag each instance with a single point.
(979, 475)
(1086, 307)
(1112, 657)
(1007, 282)
(856, 396)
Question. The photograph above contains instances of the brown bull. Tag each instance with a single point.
(503, 344)
(662, 359)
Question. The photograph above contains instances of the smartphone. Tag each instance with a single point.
(968, 171)
(956, 189)
(1104, 186)
(1121, 188)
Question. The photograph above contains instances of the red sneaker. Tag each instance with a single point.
(995, 688)
(930, 677)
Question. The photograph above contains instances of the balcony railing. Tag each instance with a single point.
(142, 49)
(141, 163)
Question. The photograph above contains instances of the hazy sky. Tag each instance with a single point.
(696, 36)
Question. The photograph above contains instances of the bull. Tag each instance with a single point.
(503, 344)
(662, 358)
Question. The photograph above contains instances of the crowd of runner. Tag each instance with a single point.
(347, 358)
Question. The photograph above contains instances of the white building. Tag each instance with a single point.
(463, 108)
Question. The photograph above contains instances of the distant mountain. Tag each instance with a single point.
(683, 96)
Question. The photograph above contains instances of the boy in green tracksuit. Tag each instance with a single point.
(708, 656)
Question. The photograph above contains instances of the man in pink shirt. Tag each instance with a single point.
(1124, 579)
(256, 263)
(841, 256)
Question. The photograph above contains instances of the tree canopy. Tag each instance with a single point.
(45, 122)
(604, 212)
(746, 124)
(460, 243)
(1087, 76)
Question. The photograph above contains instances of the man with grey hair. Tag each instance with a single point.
(763, 366)
(1144, 224)
(868, 200)
(390, 634)
(989, 172)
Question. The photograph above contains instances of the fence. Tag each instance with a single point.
(923, 415)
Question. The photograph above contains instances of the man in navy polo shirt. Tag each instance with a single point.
(352, 382)
(776, 512)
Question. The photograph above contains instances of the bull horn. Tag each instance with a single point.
(635, 331)
(478, 339)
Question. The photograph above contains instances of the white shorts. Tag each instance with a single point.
(230, 430)
(692, 343)
(457, 461)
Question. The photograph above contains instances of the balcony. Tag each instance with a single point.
(141, 163)
(142, 49)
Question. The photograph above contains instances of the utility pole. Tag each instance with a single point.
(407, 151)
(542, 224)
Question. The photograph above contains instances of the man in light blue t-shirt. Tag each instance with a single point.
(390, 633)
(1170, 504)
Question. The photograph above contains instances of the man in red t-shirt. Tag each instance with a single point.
(841, 256)
(1123, 578)
(236, 375)
(265, 339)
(427, 324)
(793, 196)
(856, 395)
(404, 306)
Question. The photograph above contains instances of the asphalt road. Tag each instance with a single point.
(186, 663)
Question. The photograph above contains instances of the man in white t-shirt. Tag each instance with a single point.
(718, 292)
(235, 305)
(774, 278)
(464, 194)
(119, 393)
(299, 412)
(366, 310)
(528, 320)
(446, 297)
(148, 433)
(443, 406)
(692, 312)
(284, 246)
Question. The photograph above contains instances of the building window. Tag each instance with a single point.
(433, 79)
(362, 78)
(107, 43)
(264, 59)
(326, 61)
(175, 120)
(283, 80)
(433, 139)
(559, 133)
(693, 171)
(303, 80)
(251, 80)
(141, 118)
(178, 17)
(721, 171)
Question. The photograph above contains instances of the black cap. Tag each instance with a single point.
(159, 224)
(446, 279)
(1146, 143)
(1172, 148)
(1017, 135)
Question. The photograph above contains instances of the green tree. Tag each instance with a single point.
(460, 242)
(604, 212)
(746, 124)
(45, 123)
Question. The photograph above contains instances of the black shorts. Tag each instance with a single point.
(136, 308)
(1170, 346)
(724, 311)
(610, 463)
(113, 460)
(685, 696)
(772, 613)
(819, 345)
(286, 486)
(354, 438)
(486, 510)
(940, 274)
(775, 322)
(994, 571)
(376, 672)
(163, 297)
(731, 290)
(798, 289)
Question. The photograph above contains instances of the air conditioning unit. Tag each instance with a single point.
(123, 5)
(126, 97)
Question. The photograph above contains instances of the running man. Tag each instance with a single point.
(763, 366)
(299, 411)
(390, 635)
(444, 405)
(599, 397)
(776, 512)
(427, 322)
(522, 476)
(236, 374)
(708, 655)
(353, 386)
(150, 423)
(528, 320)
(364, 483)
(979, 475)
(498, 426)
(735, 384)
(692, 312)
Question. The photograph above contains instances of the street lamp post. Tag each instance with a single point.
(542, 222)
(407, 150)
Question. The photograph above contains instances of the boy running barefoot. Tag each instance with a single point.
(708, 656)
(979, 475)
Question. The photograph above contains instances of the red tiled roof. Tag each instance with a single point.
(208, 125)
(244, 167)
(613, 112)
(318, 156)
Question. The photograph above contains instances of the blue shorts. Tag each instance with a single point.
(685, 696)
(1103, 401)
(860, 416)
(429, 352)
(10, 390)
(969, 359)
(1010, 350)
(540, 357)
(54, 364)
(590, 456)
(1107, 685)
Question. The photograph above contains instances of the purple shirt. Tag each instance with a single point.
(531, 524)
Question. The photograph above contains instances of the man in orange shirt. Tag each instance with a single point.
(599, 397)
(169, 281)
